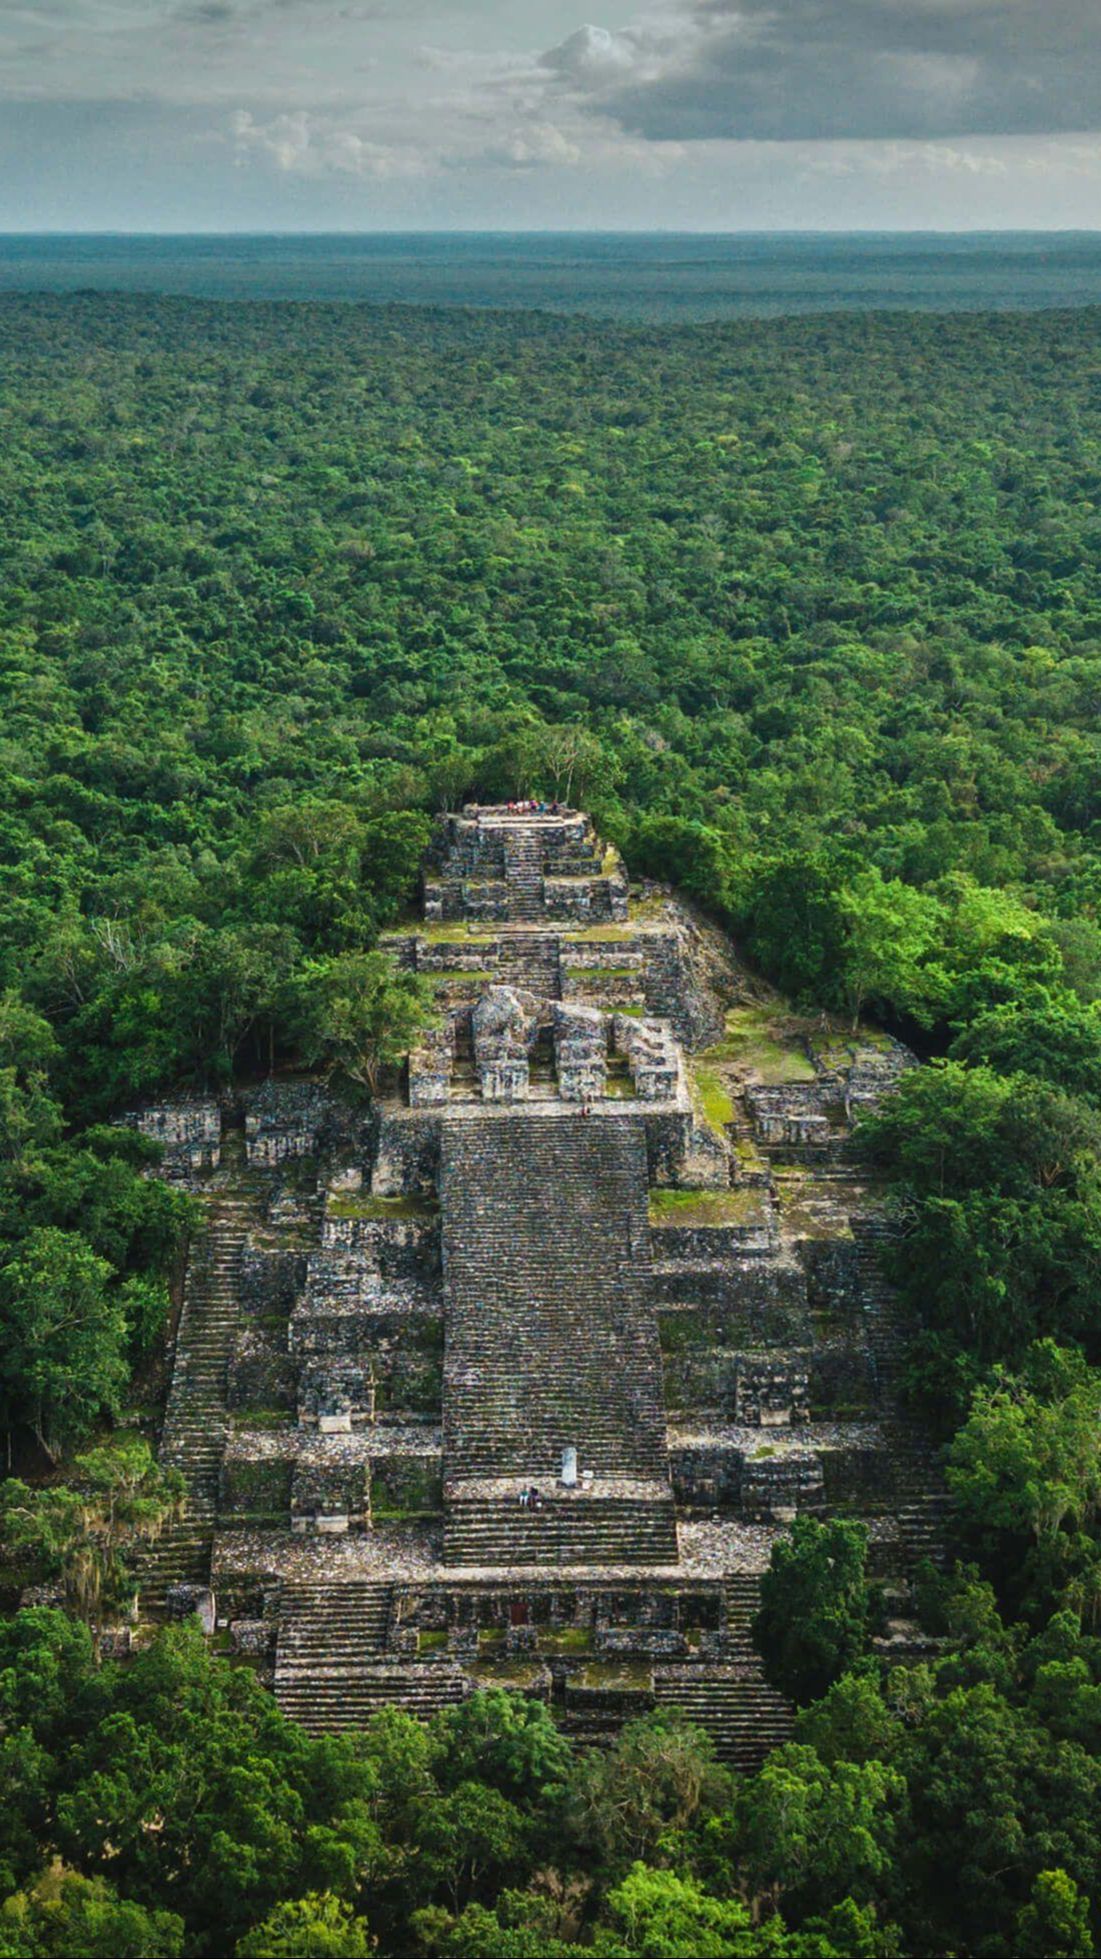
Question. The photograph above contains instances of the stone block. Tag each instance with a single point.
(192, 1601)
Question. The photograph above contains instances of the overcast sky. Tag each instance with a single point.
(491, 114)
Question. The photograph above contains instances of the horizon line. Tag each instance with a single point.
(550, 231)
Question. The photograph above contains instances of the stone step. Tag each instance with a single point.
(197, 1419)
(551, 1333)
(348, 1702)
(742, 1714)
(488, 1532)
(331, 1625)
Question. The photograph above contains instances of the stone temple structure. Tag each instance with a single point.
(513, 1377)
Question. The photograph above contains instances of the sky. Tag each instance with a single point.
(706, 115)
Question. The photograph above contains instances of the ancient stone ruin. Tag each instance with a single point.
(513, 1376)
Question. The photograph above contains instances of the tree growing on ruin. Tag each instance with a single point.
(817, 1609)
(84, 1534)
(356, 1014)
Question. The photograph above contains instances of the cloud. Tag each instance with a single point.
(813, 70)
(532, 144)
(206, 13)
(310, 146)
(592, 54)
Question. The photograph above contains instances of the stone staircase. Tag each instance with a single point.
(551, 1333)
(338, 1702)
(921, 1506)
(331, 1670)
(921, 1503)
(731, 1700)
(524, 875)
(530, 960)
(741, 1602)
(328, 1633)
(882, 1311)
(744, 1717)
(585, 1530)
(551, 1337)
(196, 1419)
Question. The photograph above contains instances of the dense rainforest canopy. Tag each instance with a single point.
(810, 614)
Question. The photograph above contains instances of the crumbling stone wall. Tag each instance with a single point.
(581, 1053)
(770, 1390)
(287, 1119)
(189, 1131)
(503, 1027)
(777, 1488)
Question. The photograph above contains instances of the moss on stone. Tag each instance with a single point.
(715, 1098)
(765, 1043)
(508, 1673)
(619, 1676)
(353, 1205)
(707, 1207)
(572, 1639)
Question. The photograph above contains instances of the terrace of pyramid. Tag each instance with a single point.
(513, 1376)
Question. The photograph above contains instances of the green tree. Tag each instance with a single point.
(852, 1722)
(505, 1740)
(67, 1916)
(657, 1778)
(817, 1609)
(469, 1840)
(665, 1916)
(889, 931)
(1058, 1040)
(356, 1015)
(814, 1835)
(1055, 1922)
(318, 1926)
(994, 1800)
(30, 1116)
(84, 1533)
(1027, 1462)
(1001, 1208)
(793, 923)
(62, 1339)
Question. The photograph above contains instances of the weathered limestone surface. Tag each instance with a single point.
(496, 865)
(428, 1352)
(189, 1131)
(286, 1119)
(552, 1341)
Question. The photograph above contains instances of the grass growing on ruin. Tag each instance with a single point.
(707, 1207)
(454, 931)
(598, 935)
(515, 1672)
(838, 1050)
(571, 1639)
(761, 1045)
(623, 1676)
(454, 975)
(715, 1097)
(684, 1328)
(351, 1204)
(807, 1220)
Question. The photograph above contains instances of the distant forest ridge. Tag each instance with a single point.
(643, 276)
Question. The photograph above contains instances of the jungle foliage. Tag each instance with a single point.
(809, 613)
